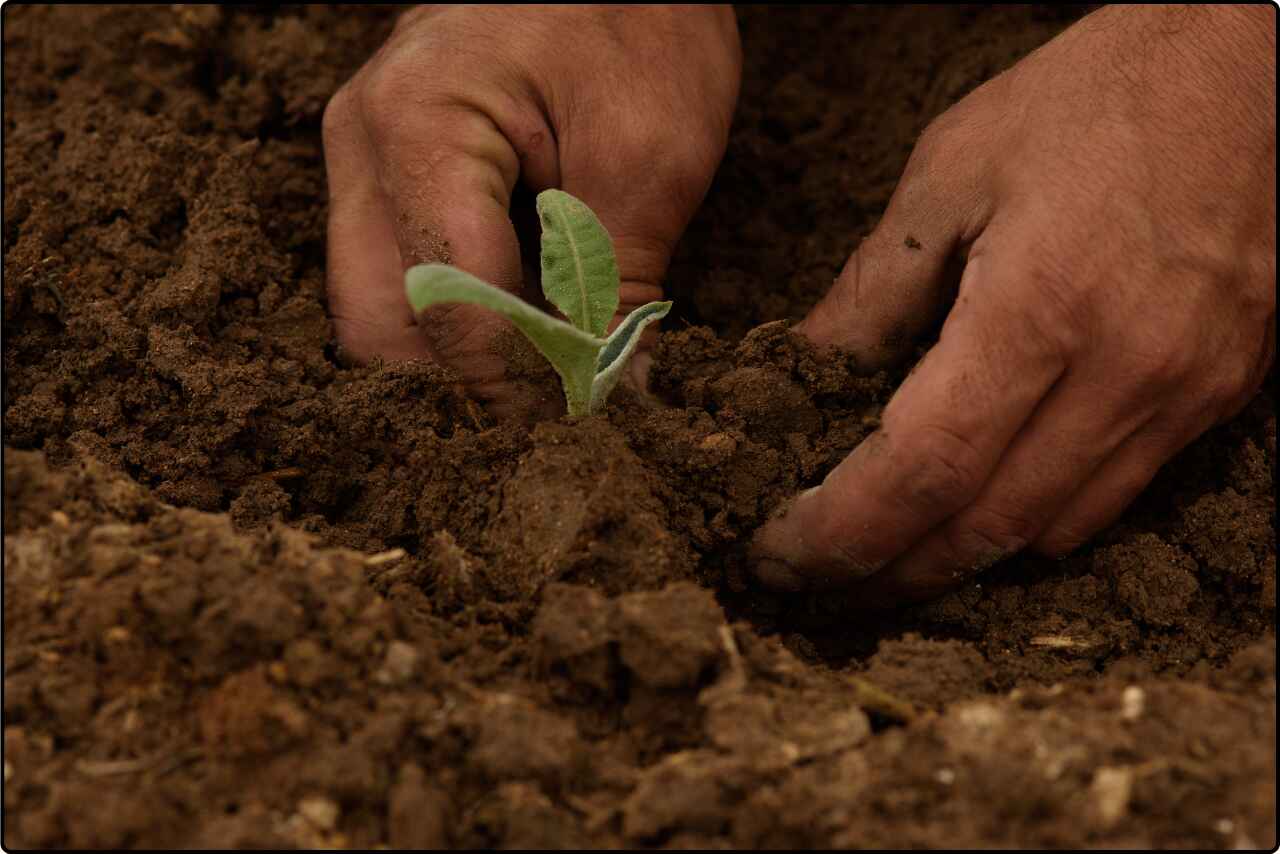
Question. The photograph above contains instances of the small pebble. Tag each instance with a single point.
(399, 665)
(320, 811)
(1132, 702)
(1111, 790)
(116, 634)
(721, 443)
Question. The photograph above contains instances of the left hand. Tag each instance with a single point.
(626, 107)
(1114, 197)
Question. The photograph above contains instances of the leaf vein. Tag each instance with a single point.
(577, 264)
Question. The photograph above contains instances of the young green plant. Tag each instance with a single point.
(579, 277)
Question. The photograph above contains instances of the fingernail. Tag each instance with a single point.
(778, 574)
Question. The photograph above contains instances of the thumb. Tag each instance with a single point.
(896, 283)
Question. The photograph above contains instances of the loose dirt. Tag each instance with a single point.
(256, 596)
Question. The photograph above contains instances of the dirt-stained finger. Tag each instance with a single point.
(1072, 436)
(899, 280)
(366, 297)
(1114, 486)
(940, 439)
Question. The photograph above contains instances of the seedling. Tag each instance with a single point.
(579, 277)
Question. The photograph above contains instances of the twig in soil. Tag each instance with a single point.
(375, 560)
(1062, 642)
(277, 475)
(57, 296)
(474, 412)
(734, 681)
(387, 567)
(280, 474)
(878, 701)
(737, 672)
(162, 763)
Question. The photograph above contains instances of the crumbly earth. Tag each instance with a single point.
(257, 596)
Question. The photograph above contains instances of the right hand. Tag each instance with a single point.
(627, 108)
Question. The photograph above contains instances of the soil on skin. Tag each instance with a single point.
(255, 596)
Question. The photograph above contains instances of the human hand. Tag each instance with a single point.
(1113, 196)
(627, 108)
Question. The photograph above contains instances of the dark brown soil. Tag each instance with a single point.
(254, 596)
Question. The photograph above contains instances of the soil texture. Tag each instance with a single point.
(255, 595)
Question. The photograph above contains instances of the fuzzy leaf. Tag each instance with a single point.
(570, 351)
(618, 348)
(579, 271)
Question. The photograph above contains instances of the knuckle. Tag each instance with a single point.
(919, 181)
(945, 469)
(987, 534)
(338, 116)
(1060, 315)
(1163, 361)
(935, 136)
(845, 549)
(384, 98)
(943, 138)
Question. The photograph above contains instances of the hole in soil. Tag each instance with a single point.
(775, 130)
(169, 231)
(209, 73)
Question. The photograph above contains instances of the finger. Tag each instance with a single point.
(365, 290)
(450, 172)
(896, 283)
(1072, 434)
(940, 439)
(1123, 477)
(453, 171)
(1236, 377)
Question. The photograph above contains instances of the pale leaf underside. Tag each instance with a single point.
(619, 346)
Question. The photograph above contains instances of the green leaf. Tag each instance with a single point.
(570, 351)
(618, 348)
(579, 271)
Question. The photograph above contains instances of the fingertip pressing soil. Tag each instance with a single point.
(257, 596)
